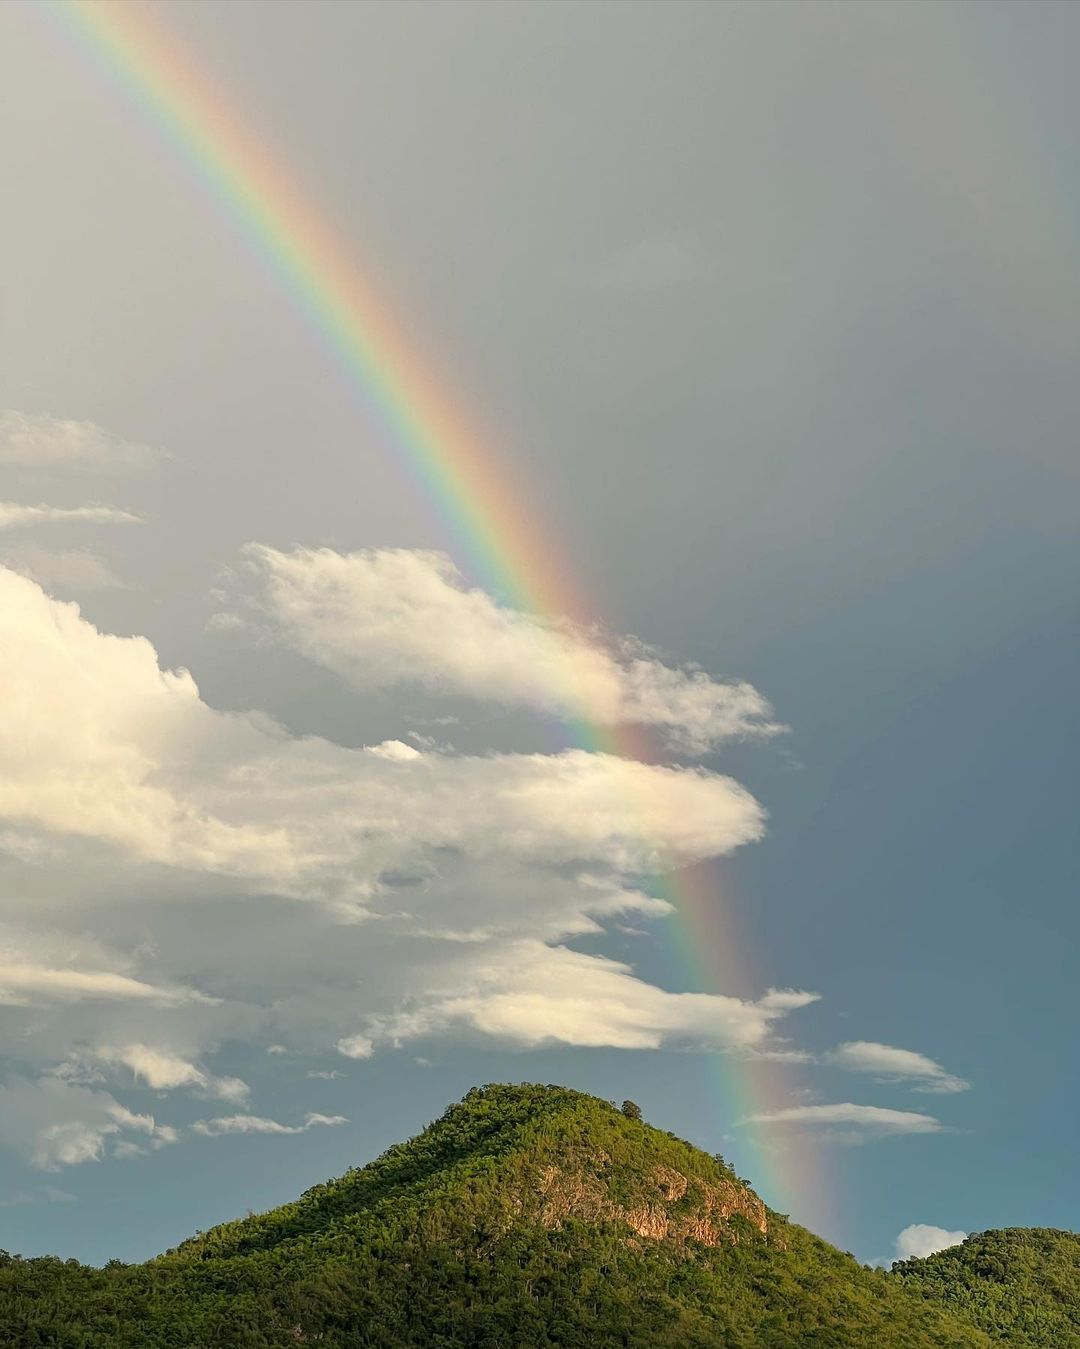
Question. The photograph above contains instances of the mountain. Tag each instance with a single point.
(524, 1216)
(1021, 1284)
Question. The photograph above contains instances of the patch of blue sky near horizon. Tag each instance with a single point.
(795, 410)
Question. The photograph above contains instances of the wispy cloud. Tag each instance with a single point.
(256, 1124)
(32, 440)
(889, 1064)
(74, 569)
(14, 515)
(23, 982)
(849, 1123)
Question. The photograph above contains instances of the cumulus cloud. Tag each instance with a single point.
(107, 745)
(41, 442)
(14, 515)
(248, 886)
(848, 1123)
(889, 1064)
(529, 993)
(921, 1239)
(394, 616)
(52, 1123)
(256, 1124)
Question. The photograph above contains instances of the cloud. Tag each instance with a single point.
(889, 1064)
(76, 569)
(13, 515)
(54, 1124)
(359, 1046)
(38, 967)
(255, 1124)
(920, 1240)
(20, 982)
(165, 1071)
(36, 441)
(530, 994)
(109, 746)
(395, 616)
(787, 999)
(398, 893)
(848, 1123)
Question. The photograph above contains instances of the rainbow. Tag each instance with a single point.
(451, 470)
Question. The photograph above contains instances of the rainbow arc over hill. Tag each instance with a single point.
(144, 66)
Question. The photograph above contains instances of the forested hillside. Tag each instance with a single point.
(525, 1216)
(1022, 1284)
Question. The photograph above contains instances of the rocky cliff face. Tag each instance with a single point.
(665, 1204)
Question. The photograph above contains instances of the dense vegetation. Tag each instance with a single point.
(1021, 1284)
(525, 1216)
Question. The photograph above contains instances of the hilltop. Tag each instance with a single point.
(1021, 1284)
(524, 1216)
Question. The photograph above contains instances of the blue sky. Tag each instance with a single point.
(771, 311)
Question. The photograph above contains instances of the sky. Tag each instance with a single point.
(310, 819)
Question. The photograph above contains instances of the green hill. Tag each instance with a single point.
(525, 1216)
(1021, 1284)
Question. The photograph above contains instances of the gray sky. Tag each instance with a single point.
(770, 312)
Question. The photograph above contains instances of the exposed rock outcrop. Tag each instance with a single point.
(668, 1205)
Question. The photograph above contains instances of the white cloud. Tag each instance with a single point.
(848, 1123)
(108, 746)
(75, 569)
(921, 1239)
(531, 994)
(396, 616)
(14, 515)
(356, 1046)
(889, 1064)
(53, 1123)
(439, 888)
(165, 1071)
(36, 441)
(787, 999)
(256, 1124)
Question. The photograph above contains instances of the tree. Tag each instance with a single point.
(630, 1110)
